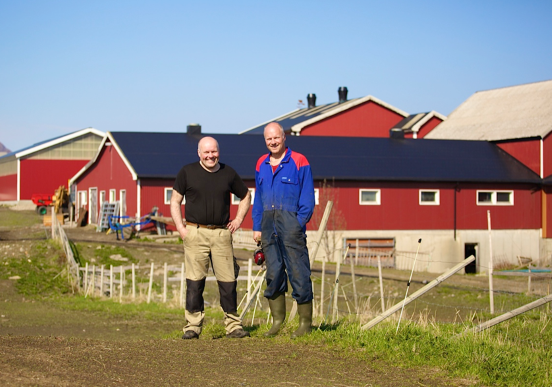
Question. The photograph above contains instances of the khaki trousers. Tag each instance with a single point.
(204, 247)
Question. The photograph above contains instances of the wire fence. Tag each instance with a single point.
(358, 297)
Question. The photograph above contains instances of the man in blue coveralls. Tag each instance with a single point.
(284, 203)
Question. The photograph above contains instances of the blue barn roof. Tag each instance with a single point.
(161, 155)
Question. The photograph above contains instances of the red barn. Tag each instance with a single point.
(390, 191)
(43, 167)
(359, 117)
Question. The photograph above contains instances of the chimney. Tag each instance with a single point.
(311, 98)
(342, 92)
(396, 133)
(193, 129)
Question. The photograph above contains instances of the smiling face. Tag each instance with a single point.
(275, 139)
(208, 151)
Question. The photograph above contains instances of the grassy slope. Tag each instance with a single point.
(516, 352)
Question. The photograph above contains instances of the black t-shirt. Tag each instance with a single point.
(208, 193)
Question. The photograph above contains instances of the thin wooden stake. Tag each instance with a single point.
(93, 280)
(408, 284)
(121, 283)
(101, 280)
(133, 282)
(86, 280)
(355, 297)
(381, 284)
(322, 287)
(491, 266)
(165, 275)
(150, 283)
(336, 286)
(249, 273)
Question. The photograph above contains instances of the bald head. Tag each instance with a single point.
(275, 139)
(274, 127)
(207, 142)
(208, 152)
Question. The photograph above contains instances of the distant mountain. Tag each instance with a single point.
(3, 149)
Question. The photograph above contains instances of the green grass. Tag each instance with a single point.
(513, 353)
(11, 218)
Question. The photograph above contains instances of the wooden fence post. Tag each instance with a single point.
(491, 292)
(150, 283)
(381, 284)
(110, 281)
(165, 273)
(133, 282)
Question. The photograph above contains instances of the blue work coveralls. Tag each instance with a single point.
(284, 203)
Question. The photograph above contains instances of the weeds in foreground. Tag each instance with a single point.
(516, 352)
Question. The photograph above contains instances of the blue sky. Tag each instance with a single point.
(160, 65)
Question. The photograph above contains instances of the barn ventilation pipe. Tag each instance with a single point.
(193, 129)
(342, 92)
(311, 99)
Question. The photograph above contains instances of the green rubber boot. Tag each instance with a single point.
(277, 306)
(305, 319)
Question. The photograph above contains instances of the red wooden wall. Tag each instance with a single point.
(45, 176)
(400, 208)
(110, 172)
(526, 151)
(366, 120)
(8, 187)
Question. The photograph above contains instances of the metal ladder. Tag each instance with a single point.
(108, 209)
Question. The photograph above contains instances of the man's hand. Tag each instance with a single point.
(183, 231)
(234, 225)
(257, 236)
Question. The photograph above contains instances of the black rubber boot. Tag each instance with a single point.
(277, 306)
(305, 319)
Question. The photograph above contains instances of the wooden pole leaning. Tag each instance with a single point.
(418, 293)
(513, 313)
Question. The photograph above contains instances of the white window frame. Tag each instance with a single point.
(236, 200)
(364, 203)
(436, 202)
(112, 195)
(82, 195)
(122, 203)
(102, 198)
(316, 196)
(166, 190)
(493, 201)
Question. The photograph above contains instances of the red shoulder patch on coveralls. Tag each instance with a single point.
(300, 160)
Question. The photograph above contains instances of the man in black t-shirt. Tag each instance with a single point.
(207, 234)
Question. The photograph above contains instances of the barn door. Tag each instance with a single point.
(469, 250)
(93, 206)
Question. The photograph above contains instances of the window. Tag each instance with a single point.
(369, 196)
(102, 197)
(495, 198)
(236, 200)
(112, 196)
(316, 196)
(168, 195)
(429, 197)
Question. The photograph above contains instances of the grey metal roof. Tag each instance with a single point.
(523, 111)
